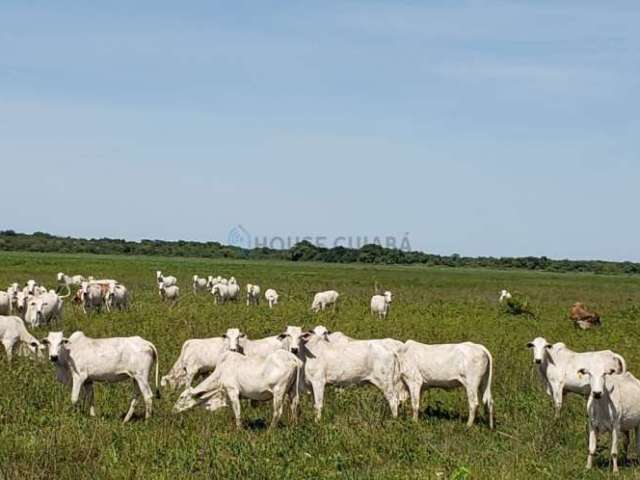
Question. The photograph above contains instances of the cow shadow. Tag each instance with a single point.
(437, 411)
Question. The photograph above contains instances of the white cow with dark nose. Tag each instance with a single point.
(558, 368)
(80, 361)
(613, 406)
(44, 309)
(271, 296)
(253, 294)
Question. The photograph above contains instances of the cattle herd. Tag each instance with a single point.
(282, 367)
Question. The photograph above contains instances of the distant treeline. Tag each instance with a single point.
(303, 251)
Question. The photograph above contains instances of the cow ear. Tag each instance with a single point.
(243, 335)
(282, 336)
(582, 371)
(44, 341)
(529, 345)
(305, 336)
(612, 371)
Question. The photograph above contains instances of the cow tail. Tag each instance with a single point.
(487, 398)
(622, 363)
(157, 358)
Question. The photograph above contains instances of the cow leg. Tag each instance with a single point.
(88, 398)
(147, 394)
(234, 400)
(626, 440)
(318, 398)
(593, 440)
(615, 435)
(76, 387)
(390, 394)
(278, 404)
(557, 399)
(134, 401)
(472, 397)
(415, 389)
(294, 399)
(8, 346)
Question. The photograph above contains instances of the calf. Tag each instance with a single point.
(583, 318)
(255, 378)
(198, 356)
(448, 366)
(558, 367)
(345, 363)
(81, 360)
(613, 406)
(13, 333)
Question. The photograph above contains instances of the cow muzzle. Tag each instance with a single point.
(53, 358)
(294, 351)
(538, 361)
(597, 395)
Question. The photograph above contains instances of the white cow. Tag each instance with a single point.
(233, 281)
(92, 296)
(117, 297)
(81, 360)
(69, 281)
(6, 303)
(253, 294)
(380, 305)
(199, 283)
(237, 341)
(44, 309)
(223, 293)
(271, 296)
(31, 287)
(504, 295)
(13, 333)
(169, 293)
(449, 366)
(344, 363)
(255, 378)
(613, 406)
(323, 300)
(167, 281)
(558, 367)
(211, 281)
(198, 356)
(12, 291)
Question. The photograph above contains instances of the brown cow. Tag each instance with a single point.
(583, 318)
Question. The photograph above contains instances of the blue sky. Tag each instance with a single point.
(482, 128)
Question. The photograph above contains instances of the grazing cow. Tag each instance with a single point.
(271, 296)
(237, 341)
(583, 318)
(504, 295)
(44, 309)
(380, 305)
(613, 406)
(255, 378)
(13, 333)
(198, 356)
(117, 297)
(81, 360)
(92, 296)
(5, 303)
(168, 281)
(199, 284)
(557, 366)
(323, 300)
(253, 294)
(223, 293)
(169, 293)
(344, 363)
(449, 366)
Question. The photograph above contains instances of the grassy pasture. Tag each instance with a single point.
(42, 436)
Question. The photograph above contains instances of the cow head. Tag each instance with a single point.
(388, 297)
(539, 347)
(321, 332)
(55, 341)
(234, 340)
(597, 378)
(293, 338)
(31, 286)
(60, 277)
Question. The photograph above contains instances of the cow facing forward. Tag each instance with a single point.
(80, 361)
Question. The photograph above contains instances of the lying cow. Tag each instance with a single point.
(81, 360)
(344, 363)
(613, 406)
(447, 366)
(14, 334)
(246, 377)
(198, 356)
(558, 367)
(583, 318)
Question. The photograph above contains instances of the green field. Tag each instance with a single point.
(43, 436)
